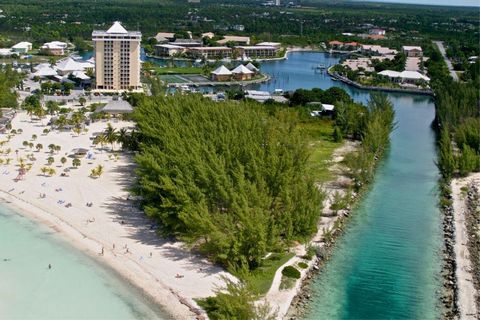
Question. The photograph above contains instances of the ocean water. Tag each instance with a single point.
(75, 288)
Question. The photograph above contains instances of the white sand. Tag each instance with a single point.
(466, 289)
(156, 275)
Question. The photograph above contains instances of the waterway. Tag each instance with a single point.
(76, 287)
(388, 263)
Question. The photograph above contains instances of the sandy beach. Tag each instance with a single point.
(466, 290)
(168, 273)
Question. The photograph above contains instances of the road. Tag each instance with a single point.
(449, 63)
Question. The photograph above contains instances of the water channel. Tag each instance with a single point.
(386, 265)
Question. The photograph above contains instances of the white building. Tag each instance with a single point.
(404, 76)
(22, 47)
(117, 58)
(54, 48)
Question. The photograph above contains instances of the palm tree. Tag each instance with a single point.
(50, 160)
(34, 137)
(82, 101)
(111, 135)
(51, 171)
(76, 163)
(63, 160)
(44, 170)
(39, 147)
(51, 147)
(122, 137)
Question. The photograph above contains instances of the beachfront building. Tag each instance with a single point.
(54, 48)
(117, 58)
(411, 77)
(168, 50)
(22, 47)
(377, 31)
(117, 106)
(257, 51)
(221, 74)
(242, 73)
(211, 52)
(412, 51)
(238, 40)
(270, 44)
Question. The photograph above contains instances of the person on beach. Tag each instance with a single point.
(102, 251)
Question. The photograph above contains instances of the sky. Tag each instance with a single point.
(472, 3)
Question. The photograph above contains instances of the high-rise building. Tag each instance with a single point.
(117, 58)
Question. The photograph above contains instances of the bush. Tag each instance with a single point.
(302, 265)
(291, 272)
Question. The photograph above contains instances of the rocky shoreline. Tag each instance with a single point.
(473, 231)
(449, 293)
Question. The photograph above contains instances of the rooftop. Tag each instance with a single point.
(116, 29)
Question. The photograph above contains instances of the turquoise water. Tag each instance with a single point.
(75, 288)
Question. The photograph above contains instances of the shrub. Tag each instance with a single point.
(302, 265)
(291, 272)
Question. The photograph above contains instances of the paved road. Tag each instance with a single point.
(449, 63)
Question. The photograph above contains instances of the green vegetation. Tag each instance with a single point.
(302, 265)
(238, 302)
(231, 181)
(260, 280)
(9, 79)
(178, 70)
(291, 272)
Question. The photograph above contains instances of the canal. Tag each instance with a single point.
(387, 264)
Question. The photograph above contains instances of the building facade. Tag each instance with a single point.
(117, 58)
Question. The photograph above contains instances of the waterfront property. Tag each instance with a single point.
(54, 48)
(168, 50)
(22, 47)
(117, 58)
(210, 52)
(221, 74)
(412, 51)
(411, 77)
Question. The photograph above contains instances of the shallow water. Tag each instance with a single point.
(75, 288)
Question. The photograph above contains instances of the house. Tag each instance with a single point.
(54, 48)
(208, 35)
(335, 44)
(405, 76)
(377, 31)
(164, 37)
(211, 52)
(323, 109)
(22, 47)
(412, 51)
(257, 51)
(239, 40)
(263, 96)
(242, 73)
(168, 50)
(238, 27)
(251, 67)
(221, 74)
(7, 52)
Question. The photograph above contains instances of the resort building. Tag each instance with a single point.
(239, 40)
(22, 47)
(164, 37)
(258, 51)
(242, 73)
(270, 44)
(187, 43)
(117, 58)
(168, 50)
(54, 48)
(368, 48)
(211, 52)
(412, 51)
(221, 74)
(69, 65)
(412, 77)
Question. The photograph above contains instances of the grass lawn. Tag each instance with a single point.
(261, 279)
(178, 70)
(319, 133)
